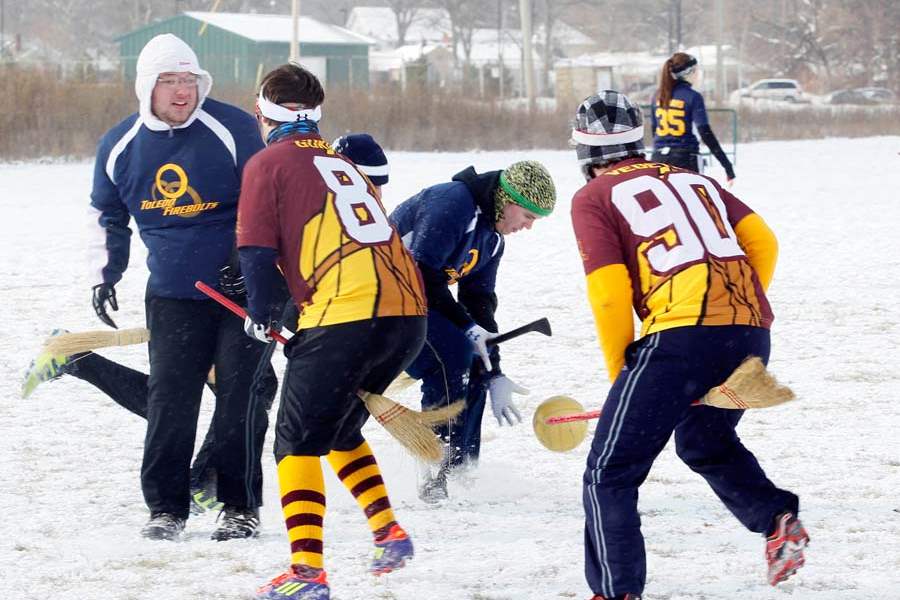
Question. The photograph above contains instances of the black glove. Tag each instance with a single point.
(105, 293)
(231, 281)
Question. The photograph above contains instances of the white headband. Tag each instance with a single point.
(608, 139)
(282, 114)
(383, 170)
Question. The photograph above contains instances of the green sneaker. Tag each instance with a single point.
(203, 500)
(46, 367)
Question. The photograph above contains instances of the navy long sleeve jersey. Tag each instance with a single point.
(181, 186)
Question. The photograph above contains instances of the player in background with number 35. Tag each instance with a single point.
(694, 262)
(677, 110)
(308, 211)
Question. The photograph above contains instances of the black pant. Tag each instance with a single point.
(129, 389)
(187, 337)
(677, 157)
(320, 410)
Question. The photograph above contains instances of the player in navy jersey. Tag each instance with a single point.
(175, 168)
(456, 233)
(679, 110)
(129, 388)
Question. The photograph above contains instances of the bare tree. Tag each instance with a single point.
(463, 20)
(804, 38)
(552, 11)
(405, 12)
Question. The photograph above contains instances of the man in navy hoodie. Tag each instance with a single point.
(175, 167)
(456, 231)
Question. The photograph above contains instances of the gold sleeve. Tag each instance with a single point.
(759, 243)
(609, 292)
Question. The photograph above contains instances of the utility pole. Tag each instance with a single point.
(678, 24)
(671, 10)
(721, 83)
(1, 29)
(295, 32)
(499, 47)
(674, 26)
(527, 66)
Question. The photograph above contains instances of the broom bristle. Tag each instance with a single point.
(410, 427)
(402, 382)
(85, 341)
(749, 386)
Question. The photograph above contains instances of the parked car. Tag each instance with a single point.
(774, 89)
(864, 96)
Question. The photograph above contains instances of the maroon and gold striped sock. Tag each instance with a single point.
(359, 472)
(303, 504)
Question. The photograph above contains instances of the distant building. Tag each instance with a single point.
(239, 48)
(634, 73)
(428, 43)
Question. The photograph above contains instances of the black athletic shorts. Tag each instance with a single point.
(320, 410)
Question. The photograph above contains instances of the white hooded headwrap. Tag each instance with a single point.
(167, 53)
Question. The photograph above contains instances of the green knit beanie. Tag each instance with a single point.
(528, 184)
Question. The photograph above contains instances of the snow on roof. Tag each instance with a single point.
(485, 52)
(565, 35)
(432, 25)
(641, 60)
(385, 60)
(379, 22)
(645, 61)
(279, 28)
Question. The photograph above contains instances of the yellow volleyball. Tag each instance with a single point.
(560, 437)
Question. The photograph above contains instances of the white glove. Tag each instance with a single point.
(258, 331)
(501, 389)
(479, 337)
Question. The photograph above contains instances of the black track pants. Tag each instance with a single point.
(187, 337)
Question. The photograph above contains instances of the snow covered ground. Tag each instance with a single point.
(70, 498)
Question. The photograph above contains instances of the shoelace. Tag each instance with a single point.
(238, 521)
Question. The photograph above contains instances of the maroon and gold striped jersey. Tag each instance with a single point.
(673, 230)
(341, 258)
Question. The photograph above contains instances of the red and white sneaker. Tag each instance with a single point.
(297, 583)
(784, 548)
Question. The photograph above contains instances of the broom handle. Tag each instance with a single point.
(541, 325)
(233, 307)
(587, 416)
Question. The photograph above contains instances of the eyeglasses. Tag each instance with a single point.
(172, 82)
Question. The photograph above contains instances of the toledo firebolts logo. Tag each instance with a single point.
(166, 194)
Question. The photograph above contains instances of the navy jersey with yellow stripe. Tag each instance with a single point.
(341, 258)
(446, 230)
(674, 125)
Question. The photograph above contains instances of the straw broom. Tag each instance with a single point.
(412, 428)
(68, 344)
(748, 386)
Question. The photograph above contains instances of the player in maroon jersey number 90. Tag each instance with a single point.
(693, 261)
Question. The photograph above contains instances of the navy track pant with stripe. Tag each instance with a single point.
(651, 399)
(449, 372)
